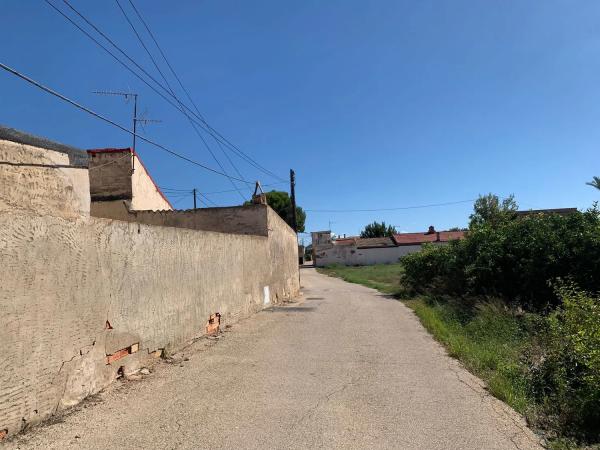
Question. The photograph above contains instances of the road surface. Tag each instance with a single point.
(345, 367)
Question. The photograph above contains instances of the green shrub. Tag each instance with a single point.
(435, 268)
(513, 258)
(566, 368)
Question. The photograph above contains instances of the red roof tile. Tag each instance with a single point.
(422, 238)
(446, 236)
(374, 242)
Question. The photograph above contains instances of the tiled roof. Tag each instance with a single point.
(446, 236)
(345, 241)
(414, 238)
(401, 239)
(422, 238)
(374, 242)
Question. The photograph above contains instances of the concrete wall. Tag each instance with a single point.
(146, 195)
(110, 175)
(31, 177)
(77, 288)
(112, 180)
(350, 255)
(250, 219)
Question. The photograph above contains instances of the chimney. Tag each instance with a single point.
(431, 230)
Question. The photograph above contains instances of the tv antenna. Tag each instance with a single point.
(142, 121)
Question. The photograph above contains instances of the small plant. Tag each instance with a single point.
(567, 378)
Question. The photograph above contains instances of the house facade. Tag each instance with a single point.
(357, 251)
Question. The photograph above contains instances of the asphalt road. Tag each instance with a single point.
(344, 368)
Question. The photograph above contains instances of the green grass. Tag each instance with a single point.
(383, 277)
(487, 338)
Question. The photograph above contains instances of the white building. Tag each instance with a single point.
(356, 251)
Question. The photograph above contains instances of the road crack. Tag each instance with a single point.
(324, 400)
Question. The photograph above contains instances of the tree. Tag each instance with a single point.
(594, 183)
(281, 203)
(489, 209)
(377, 229)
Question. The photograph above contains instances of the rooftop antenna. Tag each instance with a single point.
(128, 96)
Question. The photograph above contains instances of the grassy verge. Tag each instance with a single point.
(383, 277)
(486, 337)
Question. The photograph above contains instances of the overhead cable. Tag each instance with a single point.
(111, 122)
(182, 108)
(388, 209)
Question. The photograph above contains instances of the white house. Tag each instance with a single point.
(357, 251)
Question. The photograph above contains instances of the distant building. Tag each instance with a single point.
(357, 251)
(559, 211)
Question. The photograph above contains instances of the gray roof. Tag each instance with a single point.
(77, 157)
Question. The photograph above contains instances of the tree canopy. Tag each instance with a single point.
(281, 203)
(489, 209)
(377, 229)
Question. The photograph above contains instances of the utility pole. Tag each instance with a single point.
(194, 191)
(136, 119)
(293, 195)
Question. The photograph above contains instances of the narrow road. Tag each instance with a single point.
(344, 368)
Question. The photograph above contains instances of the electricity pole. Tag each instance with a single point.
(293, 195)
(194, 191)
(136, 119)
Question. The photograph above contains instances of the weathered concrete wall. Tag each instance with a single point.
(250, 219)
(77, 288)
(110, 175)
(284, 271)
(350, 255)
(119, 174)
(31, 178)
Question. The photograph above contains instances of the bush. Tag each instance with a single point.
(513, 259)
(566, 368)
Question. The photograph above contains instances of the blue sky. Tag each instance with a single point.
(376, 104)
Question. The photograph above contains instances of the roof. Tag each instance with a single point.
(422, 238)
(77, 157)
(446, 236)
(130, 150)
(401, 239)
(379, 242)
(345, 241)
(560, 211)
(110, 150)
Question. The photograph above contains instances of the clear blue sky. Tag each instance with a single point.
(375, 104)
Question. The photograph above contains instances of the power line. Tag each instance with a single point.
(388, 209)
(164, 56)
(218, 192)
(156, 66)
(199, 114)
(209, 129)
(122, 128)
(207, 199)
